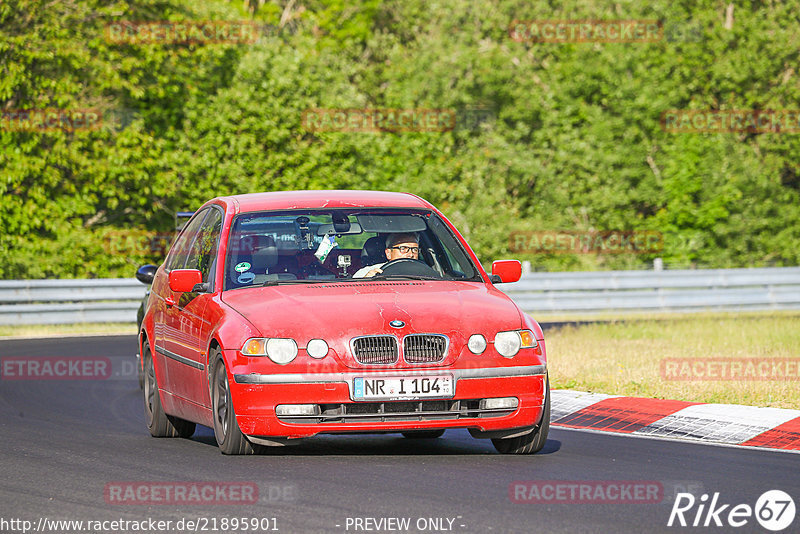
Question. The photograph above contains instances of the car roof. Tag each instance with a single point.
(278, 200)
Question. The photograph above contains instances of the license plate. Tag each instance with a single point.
(402, 387)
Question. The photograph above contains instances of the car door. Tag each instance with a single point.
(187, 328)
(203, 257)
(164, 313)
(171, 347)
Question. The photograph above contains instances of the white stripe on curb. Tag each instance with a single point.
(721, 424)
(724, 423)
(567, 401)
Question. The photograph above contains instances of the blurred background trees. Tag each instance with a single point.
(569, 136)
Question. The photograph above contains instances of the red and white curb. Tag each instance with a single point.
(731, 424)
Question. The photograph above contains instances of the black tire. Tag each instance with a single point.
(532, 442)
(140, 371)
(229, 436)
(159, 423)
(423, 434)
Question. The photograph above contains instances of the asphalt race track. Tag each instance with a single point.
(65, 442)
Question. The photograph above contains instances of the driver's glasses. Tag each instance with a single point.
(405, 250)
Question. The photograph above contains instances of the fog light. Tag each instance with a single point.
(476, 344)
(296, 409)
(500, 403)
(317, 348)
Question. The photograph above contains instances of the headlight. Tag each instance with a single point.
(281, 351)
(509, 343)
(476, 344)
(317, 348)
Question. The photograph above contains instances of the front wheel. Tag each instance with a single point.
(229, 436)
(159, 423)
(533, 441)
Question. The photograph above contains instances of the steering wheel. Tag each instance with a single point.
(408, 266)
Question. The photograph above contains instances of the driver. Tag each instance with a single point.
(398, 246)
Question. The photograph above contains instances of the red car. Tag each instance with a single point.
(257, 327)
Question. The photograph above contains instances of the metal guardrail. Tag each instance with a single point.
(104, 300)
(776, 288)
(117, 299)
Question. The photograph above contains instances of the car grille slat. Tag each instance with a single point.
(381, 412)
(425, 348)
(375, 349)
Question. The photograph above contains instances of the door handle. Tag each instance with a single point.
(169, 301)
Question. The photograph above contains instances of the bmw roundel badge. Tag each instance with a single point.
(397, 324)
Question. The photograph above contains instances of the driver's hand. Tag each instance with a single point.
(373, 272)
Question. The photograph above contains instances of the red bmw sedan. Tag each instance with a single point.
(279, 316)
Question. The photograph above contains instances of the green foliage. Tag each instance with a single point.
(574, 141)
(62, 188)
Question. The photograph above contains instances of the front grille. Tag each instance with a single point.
(424, 348)
(375, 349)
(383, 412)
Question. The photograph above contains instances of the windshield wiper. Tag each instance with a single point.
(377, 278)
(402, 277)
(290, 282)
(311, 281)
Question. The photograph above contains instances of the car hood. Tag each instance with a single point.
(350, 309)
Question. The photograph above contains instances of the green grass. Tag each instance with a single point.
(624, 358)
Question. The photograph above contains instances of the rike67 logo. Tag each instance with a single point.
(774, 510)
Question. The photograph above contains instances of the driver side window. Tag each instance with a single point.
(203, 253)
(180, 249)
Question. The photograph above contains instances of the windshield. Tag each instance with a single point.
(342, 245)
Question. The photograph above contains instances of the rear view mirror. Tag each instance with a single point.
(340, 228)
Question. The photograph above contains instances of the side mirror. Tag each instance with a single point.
(184, 280)
(504, 271)
(146, 273)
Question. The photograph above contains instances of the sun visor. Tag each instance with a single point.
(381, 224)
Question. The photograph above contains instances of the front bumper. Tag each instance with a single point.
(255, 397)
